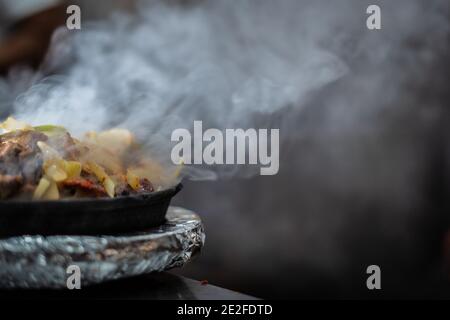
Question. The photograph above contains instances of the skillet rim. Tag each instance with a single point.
(147, 196)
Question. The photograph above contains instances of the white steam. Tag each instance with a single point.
(221, 62)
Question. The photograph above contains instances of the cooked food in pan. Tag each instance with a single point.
(47, 163)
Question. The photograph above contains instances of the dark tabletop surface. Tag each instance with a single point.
(160, 286)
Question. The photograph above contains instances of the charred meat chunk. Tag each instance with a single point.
(65, 145)
(84, 187)
(124, 189)
(10, 185)
(145, 185)
(20, 161)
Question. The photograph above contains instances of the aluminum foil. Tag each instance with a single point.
(42, 262)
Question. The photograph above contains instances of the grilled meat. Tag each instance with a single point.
(10, 185)
(65, 145)
(124, 189)
(84, 187)
(145, 186)
(20, 161)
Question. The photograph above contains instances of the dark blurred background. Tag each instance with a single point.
(364, 163)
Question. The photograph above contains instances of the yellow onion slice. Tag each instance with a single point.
(48, 152)
(110, 187)
(41, 188)
(133, 180)
(56, 173)
(72, 168)
(52, 192)
(11, 124)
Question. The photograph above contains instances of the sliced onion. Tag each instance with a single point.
(110, 187)
(41, 188)
(72, 168)
(48, 152)
(56, 173)
(11, 124)
(52, 192)
(133, 180)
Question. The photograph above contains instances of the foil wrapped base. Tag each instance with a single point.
(42, 262)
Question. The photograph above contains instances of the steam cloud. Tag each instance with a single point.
(221, 62)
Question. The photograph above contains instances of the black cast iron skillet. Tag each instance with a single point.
(100, 216)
